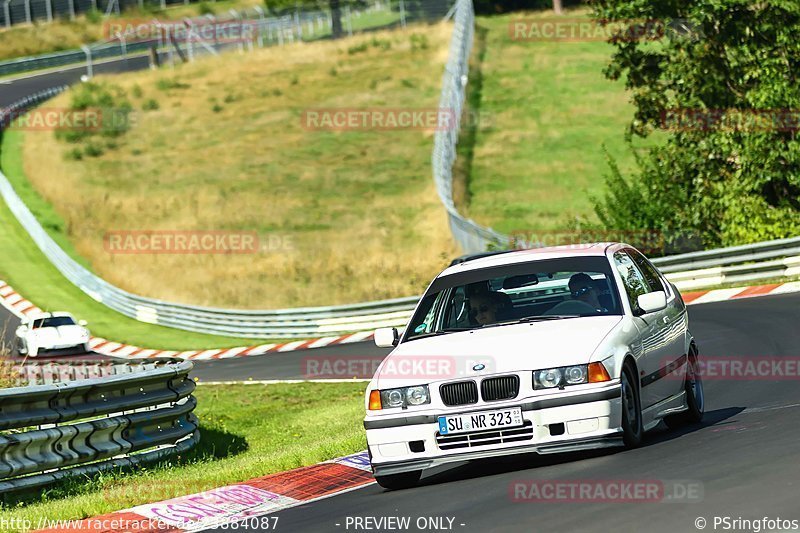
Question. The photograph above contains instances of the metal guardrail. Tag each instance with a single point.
(65, 429)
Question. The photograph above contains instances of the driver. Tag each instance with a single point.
(484, 307)
(582, 289)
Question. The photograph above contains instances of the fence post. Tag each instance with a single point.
(123, 44)
(213, 20)
(71, 9)
(260, 26)
(238, 19)
(7, 12)
(48, 4)
(402, 13)
(297, 21)
(349, 21)
(189, 34)
(28, 11)
(89, 68)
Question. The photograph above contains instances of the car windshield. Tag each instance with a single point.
(540, 290)
(53, 322)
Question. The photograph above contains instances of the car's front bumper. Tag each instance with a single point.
(560, 422)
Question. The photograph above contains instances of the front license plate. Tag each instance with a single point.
(501, 418)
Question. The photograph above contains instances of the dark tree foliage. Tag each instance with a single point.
(723, 78)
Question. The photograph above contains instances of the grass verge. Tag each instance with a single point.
(548, 112)
(247, 431)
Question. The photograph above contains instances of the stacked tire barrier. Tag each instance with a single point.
(135, 415)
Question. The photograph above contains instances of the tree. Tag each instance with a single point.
(721, 76)
(336, 19)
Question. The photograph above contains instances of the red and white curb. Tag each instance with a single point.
(250, 503)
(21, 307)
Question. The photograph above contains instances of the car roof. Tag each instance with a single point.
(535, 254)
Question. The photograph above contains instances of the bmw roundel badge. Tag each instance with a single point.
(479, 366)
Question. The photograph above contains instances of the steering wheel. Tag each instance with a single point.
(571, 307)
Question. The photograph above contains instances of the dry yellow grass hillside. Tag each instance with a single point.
(219, 145)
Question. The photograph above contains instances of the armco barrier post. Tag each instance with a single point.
(89, 67)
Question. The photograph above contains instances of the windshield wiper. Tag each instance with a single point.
(537, 318)
(438, 332)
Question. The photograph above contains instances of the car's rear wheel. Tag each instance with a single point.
(695, 397)
(404, 480)
(632, 428)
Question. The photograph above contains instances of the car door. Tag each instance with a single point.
(675, 323)
(652, 331)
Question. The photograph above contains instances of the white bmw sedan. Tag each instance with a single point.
(51, 331)
(546, 350)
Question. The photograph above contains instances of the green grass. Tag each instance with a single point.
(548, 112)
(247, 431)
(24, 267)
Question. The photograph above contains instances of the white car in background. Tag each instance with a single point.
(50, 332)
(546, 350)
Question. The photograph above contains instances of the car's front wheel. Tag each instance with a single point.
(404, 480)
(695, 397)
(632, 428)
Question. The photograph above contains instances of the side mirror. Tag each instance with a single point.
(82, 323)
(386, 337)
(652, 301)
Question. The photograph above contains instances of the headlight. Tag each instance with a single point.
(403, 397)
(569, 375)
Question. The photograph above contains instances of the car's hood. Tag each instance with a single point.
(508, 348)
(58, 335)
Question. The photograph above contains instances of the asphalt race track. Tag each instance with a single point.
(13, 90)
(743, 457)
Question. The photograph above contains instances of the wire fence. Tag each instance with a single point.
(172, 41)
(471, 236)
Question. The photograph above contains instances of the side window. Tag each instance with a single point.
(632, 278)
(423, 320)
(649, 271)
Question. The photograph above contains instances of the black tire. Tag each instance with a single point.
(695, 397)
(632, 429)
(405, 480)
